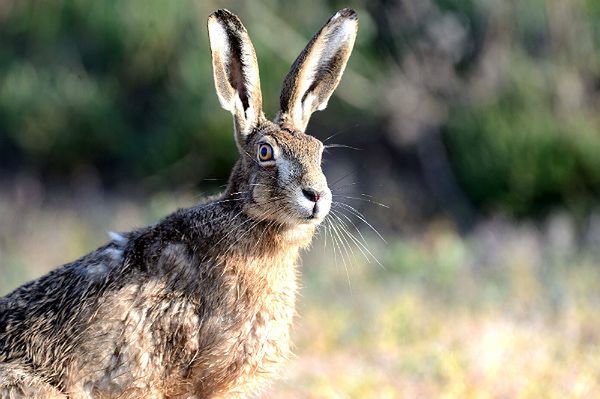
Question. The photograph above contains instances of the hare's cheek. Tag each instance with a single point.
(260, 193)
(284, 172)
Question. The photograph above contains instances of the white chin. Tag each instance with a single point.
(308, 216)
(306, 210)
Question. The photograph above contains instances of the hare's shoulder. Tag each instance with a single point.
(127, 256)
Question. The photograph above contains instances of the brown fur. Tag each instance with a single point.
(200, 304)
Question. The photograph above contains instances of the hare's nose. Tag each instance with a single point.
(311, 194)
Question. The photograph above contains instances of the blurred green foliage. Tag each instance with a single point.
(124, 90)
(518, 154)
(119, 86)
(531, 142)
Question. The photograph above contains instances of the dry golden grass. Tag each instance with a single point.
(509, 311)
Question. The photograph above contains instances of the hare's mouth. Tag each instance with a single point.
(317, 212)
(313, 211)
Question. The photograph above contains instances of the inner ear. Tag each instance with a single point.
(324, 81)
(318, 69)
(235, 71)
(237, 78)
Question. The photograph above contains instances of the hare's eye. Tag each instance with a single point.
(265, 152)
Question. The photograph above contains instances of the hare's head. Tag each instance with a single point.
(279, 172)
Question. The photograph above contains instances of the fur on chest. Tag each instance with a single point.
(196, 329)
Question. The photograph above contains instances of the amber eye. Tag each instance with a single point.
(265, 152)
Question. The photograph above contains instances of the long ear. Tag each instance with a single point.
(235, 71)
(318, 69)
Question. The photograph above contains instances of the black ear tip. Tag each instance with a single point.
(346, 13)
(222, 13)
(227, 17)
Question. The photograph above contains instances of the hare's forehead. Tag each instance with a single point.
(299, 146)
(305, 149)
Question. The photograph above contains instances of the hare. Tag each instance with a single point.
(200, 304)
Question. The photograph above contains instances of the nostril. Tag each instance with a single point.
(311, 194)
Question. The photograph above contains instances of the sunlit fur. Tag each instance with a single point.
(200, 304)
(274, 191)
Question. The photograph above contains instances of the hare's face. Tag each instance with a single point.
(286, 181)
(281, 166)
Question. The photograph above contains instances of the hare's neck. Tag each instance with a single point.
(255, 238)
(235, 185)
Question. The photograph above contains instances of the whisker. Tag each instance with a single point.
(362, 199)
(340, 244)
(227, 200)
(239, 192)
(346, 130)
(325, 239)
(360, 244)
(333, 244)
(345, 230)
(328, 146)
(339, 188)
(360, 216)
(347, 244)
(341, 178)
